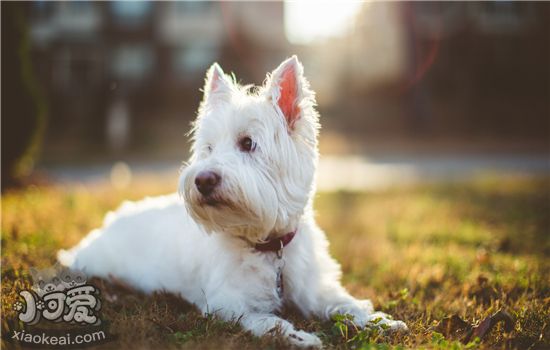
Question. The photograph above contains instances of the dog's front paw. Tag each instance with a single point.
(383, 322)
(304, 339)
(361, 314)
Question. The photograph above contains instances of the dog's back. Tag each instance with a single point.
(138, 243)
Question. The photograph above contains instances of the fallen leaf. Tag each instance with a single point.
(489, 323)
(455, 327)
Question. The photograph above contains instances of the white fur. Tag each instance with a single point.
(205, 253)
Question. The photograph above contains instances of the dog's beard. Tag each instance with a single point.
(249, 213)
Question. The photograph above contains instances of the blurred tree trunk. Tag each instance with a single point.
(23, 108)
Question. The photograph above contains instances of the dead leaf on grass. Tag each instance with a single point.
(455, 327)
(485, 326)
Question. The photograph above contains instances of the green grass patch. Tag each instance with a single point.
(421, 253)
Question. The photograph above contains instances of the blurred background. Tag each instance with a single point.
(408, 92)
(434, 185)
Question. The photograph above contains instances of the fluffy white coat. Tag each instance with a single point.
(202, 247)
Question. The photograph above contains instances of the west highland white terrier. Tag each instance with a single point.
(240, 240)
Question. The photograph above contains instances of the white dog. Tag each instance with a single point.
(240, 240)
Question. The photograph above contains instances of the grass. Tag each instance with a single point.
(422, 254)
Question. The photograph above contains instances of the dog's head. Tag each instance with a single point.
(252, 170)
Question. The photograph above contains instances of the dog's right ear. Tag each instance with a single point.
(218, 86)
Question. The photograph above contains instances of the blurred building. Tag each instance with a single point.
(137, 65)
(448, 68)
(126, 75)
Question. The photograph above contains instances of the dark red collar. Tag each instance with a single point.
(275, 244)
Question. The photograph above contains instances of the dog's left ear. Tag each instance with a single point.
(218, 86)
(286, 88)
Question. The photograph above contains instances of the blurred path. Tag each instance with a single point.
(356, 173)
(350, 172)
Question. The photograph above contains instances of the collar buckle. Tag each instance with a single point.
(280, 251)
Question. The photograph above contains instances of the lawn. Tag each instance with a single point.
(431, 255)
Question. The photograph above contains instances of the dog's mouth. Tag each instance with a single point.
(212, 201)
(218, 202)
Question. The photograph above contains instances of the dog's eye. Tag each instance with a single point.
(209, 148)
(246, 144)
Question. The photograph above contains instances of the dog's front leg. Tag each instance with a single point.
(315, 288)
(265, 324)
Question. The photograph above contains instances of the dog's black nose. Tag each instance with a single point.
(206, 181)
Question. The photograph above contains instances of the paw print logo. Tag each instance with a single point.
(17, 306)
(40, 305)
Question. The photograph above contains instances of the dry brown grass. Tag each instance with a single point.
(421, 254)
